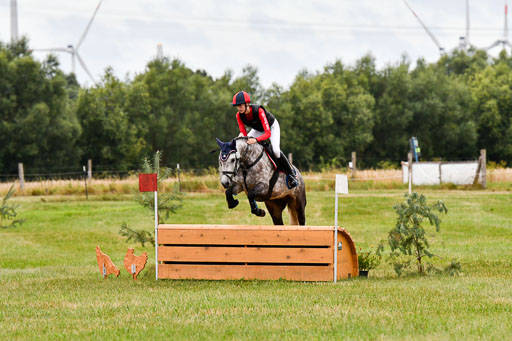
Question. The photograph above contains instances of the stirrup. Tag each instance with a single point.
(291, 181)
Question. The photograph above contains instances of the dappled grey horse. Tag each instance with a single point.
(248, 168)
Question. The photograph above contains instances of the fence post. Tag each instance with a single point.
(354, 165)
(179, 181)
(89, 169)
(483, 169)
(85, 183)
(409, 164)
(21, 174)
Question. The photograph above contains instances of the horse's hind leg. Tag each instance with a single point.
(275, 208)
(297, 210)
(292, 211)
(301, 205)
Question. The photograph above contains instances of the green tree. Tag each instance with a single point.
(491, 90)
(440, 116)
(37, 123)
(408, 236)
(108, 137)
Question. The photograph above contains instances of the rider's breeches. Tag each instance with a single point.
(275, 137)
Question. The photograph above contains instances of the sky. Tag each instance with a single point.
(279, 37)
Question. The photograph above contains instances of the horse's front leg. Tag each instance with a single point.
(251, 195)
(232, 190)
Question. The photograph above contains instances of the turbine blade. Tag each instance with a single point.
(54, 49)
(88, 26)
(441, 49)
(84, 67)
(496, 43)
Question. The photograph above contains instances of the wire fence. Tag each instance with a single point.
(393, 172)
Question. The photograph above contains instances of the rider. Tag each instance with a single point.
(264, 126)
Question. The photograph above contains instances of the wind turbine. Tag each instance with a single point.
(431, 35)
(14, 22)
(504, 42)
(464, 43)
(73, 50)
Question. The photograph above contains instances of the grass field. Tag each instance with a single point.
(51, 287)
(497, 179)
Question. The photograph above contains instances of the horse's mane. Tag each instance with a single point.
(246, 138)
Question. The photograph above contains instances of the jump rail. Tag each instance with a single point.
(219, 252)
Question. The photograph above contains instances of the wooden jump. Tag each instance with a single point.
(219, 252)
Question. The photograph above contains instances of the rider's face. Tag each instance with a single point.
(241, 108)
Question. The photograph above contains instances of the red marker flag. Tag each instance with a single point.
(147, 182)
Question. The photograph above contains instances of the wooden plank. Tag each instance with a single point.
(219, 254)
(245, 237)
(243, 227)
(347, 257)
(236, 272)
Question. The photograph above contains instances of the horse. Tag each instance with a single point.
(248, 168)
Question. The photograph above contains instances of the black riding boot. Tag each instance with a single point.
(285, 165)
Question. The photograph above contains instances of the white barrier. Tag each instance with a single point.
(435, 173)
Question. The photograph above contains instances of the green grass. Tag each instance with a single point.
(51, 287)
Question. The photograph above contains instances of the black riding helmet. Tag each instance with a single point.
(241, 97)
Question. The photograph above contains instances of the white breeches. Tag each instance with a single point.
(275, 137)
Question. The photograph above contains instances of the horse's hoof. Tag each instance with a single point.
(232, 204)
(258, 212)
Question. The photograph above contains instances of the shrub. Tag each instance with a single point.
(168, 202)
(409, 236)
(368, 260)
(8, 212)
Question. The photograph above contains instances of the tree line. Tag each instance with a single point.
(455, 106)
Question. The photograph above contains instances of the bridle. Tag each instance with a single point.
(238, 162)
(229, 174)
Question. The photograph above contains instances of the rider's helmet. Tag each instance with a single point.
(241, 97)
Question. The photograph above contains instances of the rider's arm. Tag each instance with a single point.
(266, 126)
(241, 124)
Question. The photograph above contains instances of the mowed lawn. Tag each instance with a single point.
(51, 287)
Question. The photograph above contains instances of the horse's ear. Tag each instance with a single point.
(233, 145)
(219, 142)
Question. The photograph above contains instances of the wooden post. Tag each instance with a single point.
(179, 180)
(85, 182)
(21, 173)
(409, 164)
(354, 165)
(89, 169)
(483, 167)
(290, 158)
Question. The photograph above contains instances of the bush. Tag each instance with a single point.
(409, 237)
(368, 260)
(8, 212)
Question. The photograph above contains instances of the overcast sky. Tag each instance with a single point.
(278, 37)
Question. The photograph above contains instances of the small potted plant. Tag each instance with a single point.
(368, 260)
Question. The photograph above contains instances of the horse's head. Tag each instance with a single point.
(229, 162)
